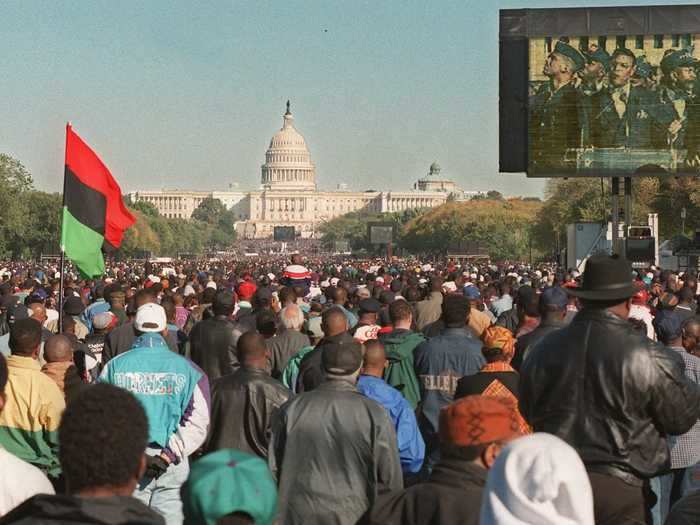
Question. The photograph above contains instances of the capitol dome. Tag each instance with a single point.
(288, 162)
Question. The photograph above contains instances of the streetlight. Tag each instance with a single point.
(684, 214)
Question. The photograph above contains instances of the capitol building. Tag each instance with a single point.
(288, 195)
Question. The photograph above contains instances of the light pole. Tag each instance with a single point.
(684, 214)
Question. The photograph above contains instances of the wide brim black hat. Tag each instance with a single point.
(606, 278)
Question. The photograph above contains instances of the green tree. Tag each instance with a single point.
(209, 211)
(42, 223)
(144, 207)
(15, 182)
(503, 226)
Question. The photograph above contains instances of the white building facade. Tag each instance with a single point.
(289, 195)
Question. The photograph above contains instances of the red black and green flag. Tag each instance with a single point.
(94, 215)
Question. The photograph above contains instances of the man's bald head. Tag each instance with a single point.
(334, 322)
(38, 312)
(691, 335)
(58, 348)
(374, 359)
(251, 349)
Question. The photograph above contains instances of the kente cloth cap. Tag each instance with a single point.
(370, 305)
(103, 320)
(73, 305)
(229, 481)
(572, 53)
(599, 55)
(606, 278)
(678, 58)
(150, 318)
(478, 420)
(341, 357)
(554, 296)
(501, 338)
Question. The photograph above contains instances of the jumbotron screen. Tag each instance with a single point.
(601, 92)
(380, 232)
(283, 233)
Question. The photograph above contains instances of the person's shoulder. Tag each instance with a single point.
(121, 330)
(47, 385)
(14, 469)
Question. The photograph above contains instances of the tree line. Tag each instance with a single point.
(30, 222)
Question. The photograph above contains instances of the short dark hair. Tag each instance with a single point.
(144, 296)
(400, 311)
(455, 310)
(208, 295)
(470, 453)
(686, 294)
(287, 294)
(266, 322)
(625, 52)
(110, 423)
(25, 336)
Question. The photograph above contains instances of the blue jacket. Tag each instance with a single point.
(410, 442)
(440, 362)
(98, 307)
(172, 390)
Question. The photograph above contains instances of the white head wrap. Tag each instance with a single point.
(537, 479)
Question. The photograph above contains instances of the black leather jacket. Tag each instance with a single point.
(610, 393)
(241, 409)
(212, 347)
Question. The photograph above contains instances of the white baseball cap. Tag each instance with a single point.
(150, 317)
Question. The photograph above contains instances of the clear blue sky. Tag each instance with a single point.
(184, 94)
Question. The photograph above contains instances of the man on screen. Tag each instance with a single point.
(624, 115)
(594, 77)
(678, 92)
(554, 118)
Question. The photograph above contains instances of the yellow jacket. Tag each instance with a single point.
(33, 409)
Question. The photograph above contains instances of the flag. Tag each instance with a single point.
(94, 215)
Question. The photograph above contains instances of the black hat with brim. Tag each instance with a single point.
(606, 278)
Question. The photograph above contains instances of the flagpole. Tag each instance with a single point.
(62, 269)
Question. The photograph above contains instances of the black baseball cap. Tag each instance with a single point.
(341, 358)
(370, 305)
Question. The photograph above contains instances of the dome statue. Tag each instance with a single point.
(288, 162)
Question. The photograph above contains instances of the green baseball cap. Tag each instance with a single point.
(228, 481)
(678, 58)
(572, 53)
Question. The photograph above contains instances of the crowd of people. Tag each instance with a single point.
(327, 391)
